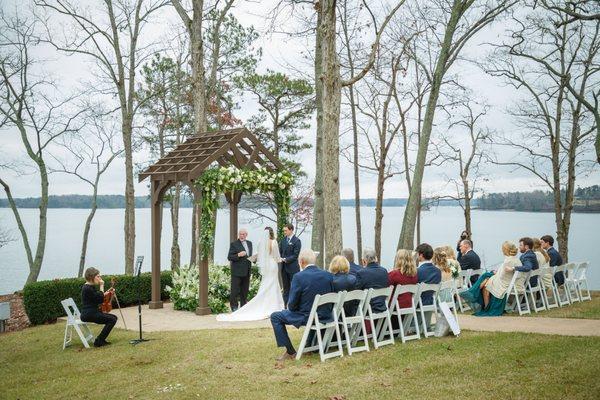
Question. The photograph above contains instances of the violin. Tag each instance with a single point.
(106, 305)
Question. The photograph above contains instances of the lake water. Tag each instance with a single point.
(440, 226)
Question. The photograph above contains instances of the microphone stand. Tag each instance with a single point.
(138, 265)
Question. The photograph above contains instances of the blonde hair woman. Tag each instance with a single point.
(440, 260)
(342, 280)
(489, 292)
(404, 273)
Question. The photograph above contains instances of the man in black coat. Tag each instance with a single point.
(555, 257)
(467, 258)
(289, 249)
(239, 251)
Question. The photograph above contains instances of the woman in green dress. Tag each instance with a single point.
(487, 296)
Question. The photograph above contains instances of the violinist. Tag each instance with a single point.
(92, 299)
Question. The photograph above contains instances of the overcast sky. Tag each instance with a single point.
(280, 52)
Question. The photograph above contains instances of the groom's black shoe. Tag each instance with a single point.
(234, 309)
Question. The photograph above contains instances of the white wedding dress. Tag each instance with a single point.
(268, 299)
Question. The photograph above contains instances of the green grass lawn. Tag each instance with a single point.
(585, 310)
(239, 364)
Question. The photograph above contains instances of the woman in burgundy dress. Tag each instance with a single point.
(404, 273)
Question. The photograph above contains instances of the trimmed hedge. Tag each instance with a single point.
(42, 299)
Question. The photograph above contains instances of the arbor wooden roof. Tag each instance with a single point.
(186, 162)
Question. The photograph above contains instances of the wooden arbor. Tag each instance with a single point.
(184, 164)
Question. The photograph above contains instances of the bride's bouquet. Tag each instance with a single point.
(454, 267)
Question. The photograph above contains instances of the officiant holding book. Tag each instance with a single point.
(240, 252)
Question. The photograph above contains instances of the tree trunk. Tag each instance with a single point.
(318, 224)
(34, 269)
(406, 240)
(379, 209)
(467, 210)
(175, 251)
(129, 228)
(331, 123)
(86, 230)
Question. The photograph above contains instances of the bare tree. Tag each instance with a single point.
(381, 133)
(554, 70)
(468, 155)
(30, 110)
(110, 35)
(94, 146)
(453, 23)
(5, 236)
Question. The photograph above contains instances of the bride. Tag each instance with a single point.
(268, 299)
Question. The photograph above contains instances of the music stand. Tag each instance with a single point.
(138, 269)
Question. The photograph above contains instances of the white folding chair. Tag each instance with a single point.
(535, 290)
(581, 281)
(516, 289)
(446, 295)
(462, 281)
(477, 273)
(381, 322)
(563, 299)
(74, 322)
(571, 282)
(548, 288)
(354, 325)
(407, 315)
(314, 324)
(430, 309)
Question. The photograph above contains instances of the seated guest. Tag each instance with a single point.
(372, 276)
(543, 260)
(452, 262)
(91, 299)
(488, 295)
(555, 257)
(342, 280)
(467, 258)
(528, 258)
(305, 286)
(404, 273)
(349, 254)
(440, 260)
(427, 272)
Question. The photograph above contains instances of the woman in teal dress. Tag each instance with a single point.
(487, 296)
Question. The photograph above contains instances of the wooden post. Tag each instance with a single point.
(203, 308)
(156, 226)
(234, 200)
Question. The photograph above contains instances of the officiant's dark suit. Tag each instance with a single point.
(289, 248)
(240, 272)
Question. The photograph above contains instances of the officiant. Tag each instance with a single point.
(239, 253)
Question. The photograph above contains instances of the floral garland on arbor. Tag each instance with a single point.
(218, 180)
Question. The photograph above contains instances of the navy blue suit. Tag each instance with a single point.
(346, 282)
(428, 273)
(556, 260)
(289, 249)
(376, 277)
(469, 260)
(530, 263)
(354, 268)
(306, 285)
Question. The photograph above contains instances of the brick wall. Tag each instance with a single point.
(18, 318)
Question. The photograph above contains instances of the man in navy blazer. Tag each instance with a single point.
(528, 258)
(289, 249)
(555, 257)
(349, 254)
(427, 272)
(467, 258)
(305, 286)
(372, 276)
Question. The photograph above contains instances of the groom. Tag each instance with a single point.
(239, 251)
(289, 248)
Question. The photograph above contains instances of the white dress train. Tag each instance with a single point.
(268, 299)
